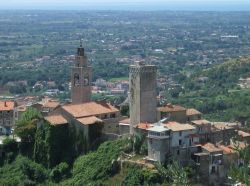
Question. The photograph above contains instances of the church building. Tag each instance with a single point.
(90, 120)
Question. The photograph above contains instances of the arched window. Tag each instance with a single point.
(86, 81)
(76, 80)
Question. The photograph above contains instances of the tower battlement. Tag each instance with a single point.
(142, 69)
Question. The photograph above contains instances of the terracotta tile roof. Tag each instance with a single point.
(171, 108)
(192, 111)
(211, 147)
(89, 120)
(243, 134)
(200, 122)
(125, 121)
(221, 126)
(175, 126)
(144, 126)
(7, 105)
(89, 109)
(51, 104)
(56, 120)
(226, 149)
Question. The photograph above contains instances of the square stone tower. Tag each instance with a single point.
(142, 88)
(81, 77)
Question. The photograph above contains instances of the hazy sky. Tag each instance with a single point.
(128, 4)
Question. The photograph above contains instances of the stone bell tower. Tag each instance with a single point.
(142, 88)
(81, 77)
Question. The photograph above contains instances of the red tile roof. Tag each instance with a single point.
(200, 122)
(89, 109)
(243, 134)
(226, 149)
(7, 105)
(125, 121)
(175, 126)
(56, 120)
(192, 111)
(51, 104)
(171, 108)
(89, 120)
(144, 126)
(211, 147)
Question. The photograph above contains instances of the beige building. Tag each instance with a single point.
(183, 141)
(101, 111)
(203, 129)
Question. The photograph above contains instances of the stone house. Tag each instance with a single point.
(210, 165)
(222, 133)
(193, 114)
(203, 129)
(8, 116)
(172, 112)
(183, 141)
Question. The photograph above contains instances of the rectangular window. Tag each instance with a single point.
(180, 133)
(180, 142)
(178, 152)
(213, 170)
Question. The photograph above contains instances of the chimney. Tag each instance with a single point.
(5, 103)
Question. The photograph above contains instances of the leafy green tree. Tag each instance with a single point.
(26, 126)
(241, 172)
(174, 174)
(60, 172)
(22, 172)
(26, 129)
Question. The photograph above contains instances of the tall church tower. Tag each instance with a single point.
(142, 88)
(81, 77)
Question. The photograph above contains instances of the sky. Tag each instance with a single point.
(224, 5)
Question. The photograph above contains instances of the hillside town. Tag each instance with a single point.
(171, 132)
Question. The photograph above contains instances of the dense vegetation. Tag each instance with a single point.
(49, 159)
(49, 141)
(241, 173)
(219, 97)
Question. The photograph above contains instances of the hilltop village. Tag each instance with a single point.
(171, 132)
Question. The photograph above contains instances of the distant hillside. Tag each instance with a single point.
(216, 92)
